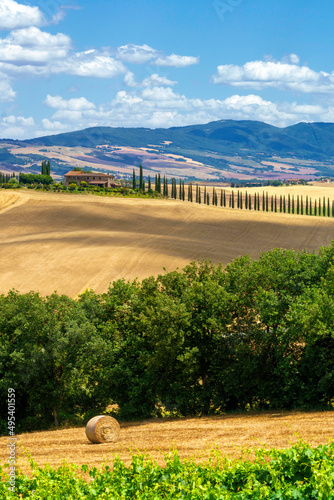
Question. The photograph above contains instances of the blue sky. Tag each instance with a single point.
(125, 63)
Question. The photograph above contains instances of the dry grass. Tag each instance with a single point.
(193, 437)
(69, 243)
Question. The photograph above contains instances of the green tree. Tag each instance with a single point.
(134, 183)
(141, 178)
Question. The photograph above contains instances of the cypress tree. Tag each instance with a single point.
(289, 204)
(324, 207)
(319, 207)
(280, 203)
(196, 193)
(306, 207)
(224, 198)
(333, 208)
(293, 204)
(250, 202)
(48, 168)
(275, 203)
(221, 198)
(301, 205)
(183, 193)
(255, 202)
(140, 177)
(284, 203)
(199, 195)
(263, 202)
(149, 183)
(297, 204)
(143, 186)
(258, 201)
(238, 201)
(207, 199)
(272, 203)
(232, 194)
(328, 208)
(315, 207)
(204, 194)
(134, 185)
(246, 201)
(159, 184)
(180, 190)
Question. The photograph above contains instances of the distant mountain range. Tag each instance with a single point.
(224, 149)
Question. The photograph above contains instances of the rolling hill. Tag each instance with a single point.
(220, 150)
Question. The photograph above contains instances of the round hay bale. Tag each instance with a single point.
(102, 429)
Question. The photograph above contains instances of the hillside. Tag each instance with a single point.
(220, 150)
(70, 242)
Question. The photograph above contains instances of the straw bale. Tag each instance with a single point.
(102, 429)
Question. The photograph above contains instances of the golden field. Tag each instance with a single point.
(193, 438)
(69, 242)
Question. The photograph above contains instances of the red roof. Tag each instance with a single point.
(89, 174)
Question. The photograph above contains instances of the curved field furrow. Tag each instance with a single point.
(69, 243)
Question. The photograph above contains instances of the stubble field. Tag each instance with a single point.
(192, 437)
(68, 243)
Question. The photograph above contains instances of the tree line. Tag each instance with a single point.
(201, 340)
(290, 203)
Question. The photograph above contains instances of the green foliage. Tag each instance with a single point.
(45, 169)
(299, 472)
(196, 341)
(34, 178)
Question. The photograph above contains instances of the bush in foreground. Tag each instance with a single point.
(296, 473)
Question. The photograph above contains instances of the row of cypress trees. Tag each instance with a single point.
(45, 169)
(4, 178)
(291, 204)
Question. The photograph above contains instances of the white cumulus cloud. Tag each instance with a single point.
(15, 15)
(74, 104)
(33, 46)
(176, 61)
(153, 80)
(135, 54)
(280, 75)
(140, 54)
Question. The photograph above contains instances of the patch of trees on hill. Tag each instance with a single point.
(201, 340)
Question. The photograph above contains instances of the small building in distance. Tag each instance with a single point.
(92, 178)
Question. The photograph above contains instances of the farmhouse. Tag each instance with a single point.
(92, 178)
